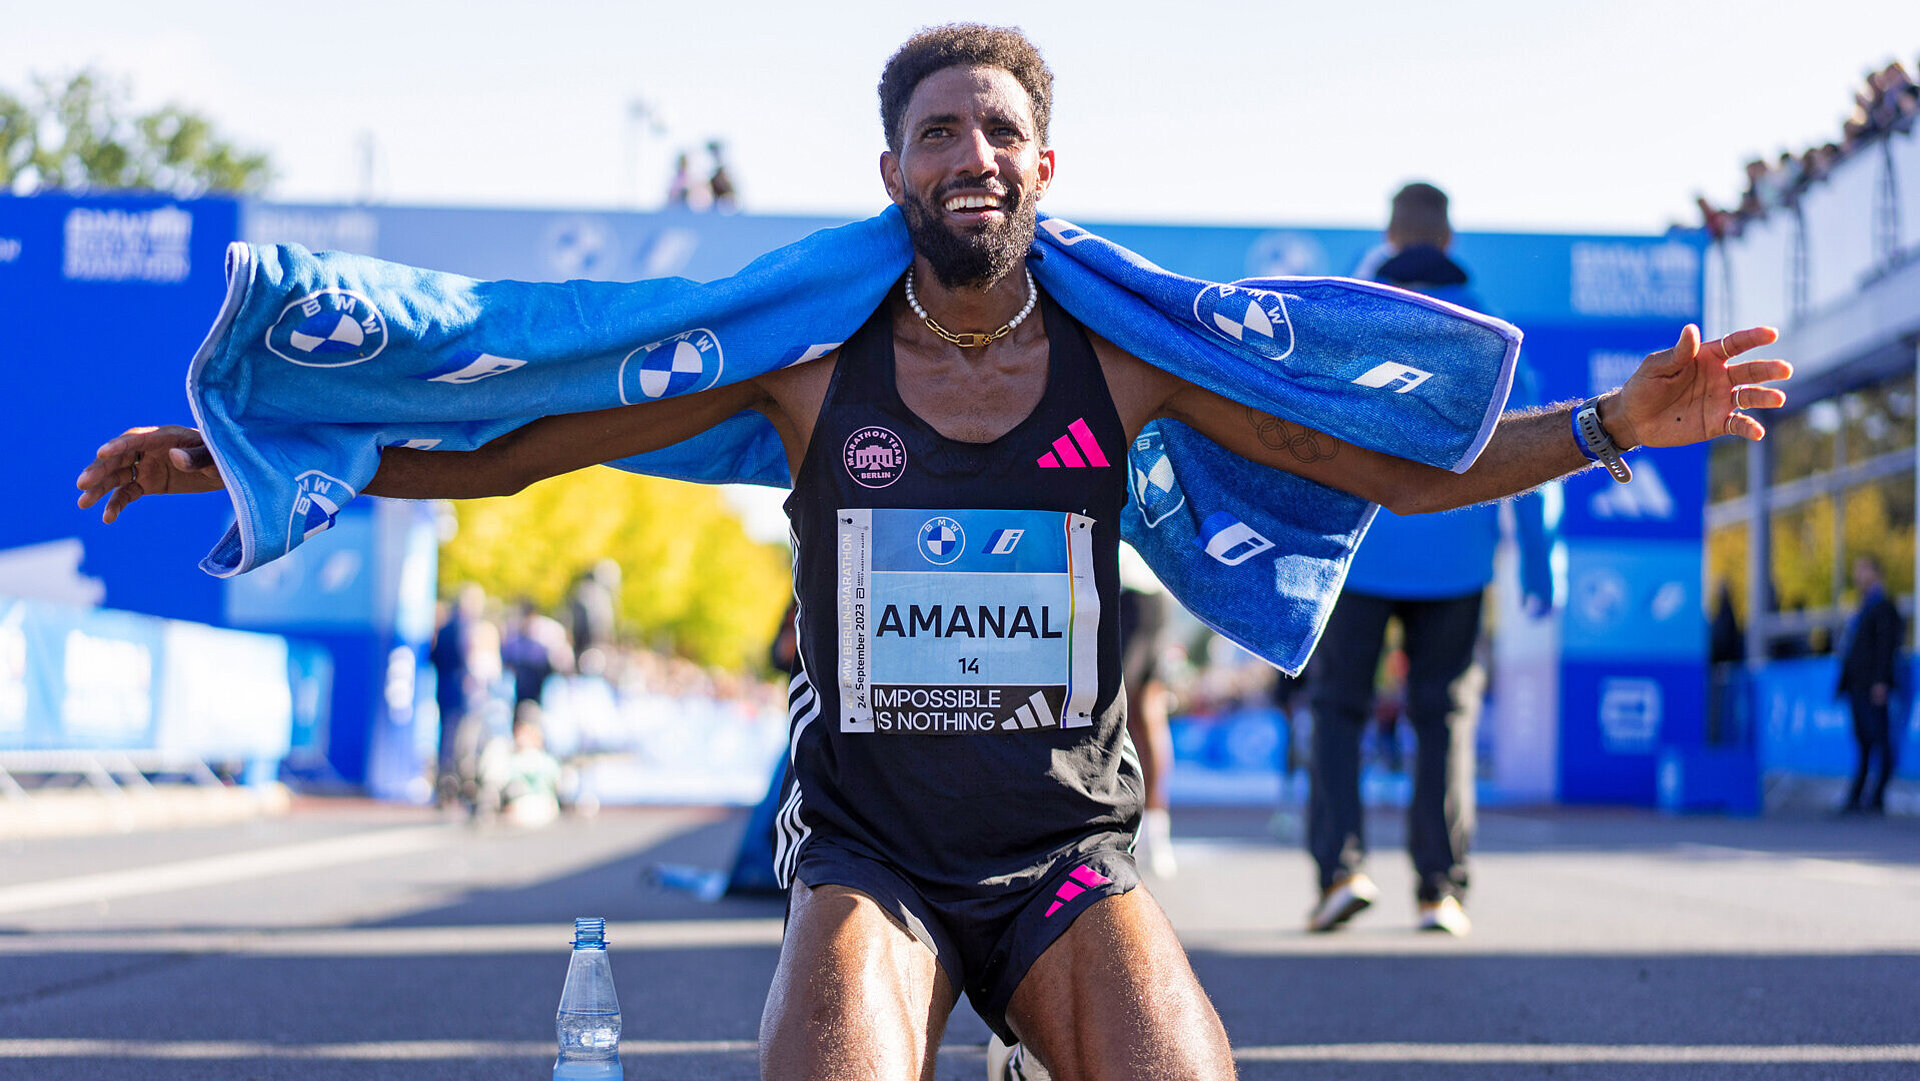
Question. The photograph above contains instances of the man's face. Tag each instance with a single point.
(969, 174)
(1865, 575)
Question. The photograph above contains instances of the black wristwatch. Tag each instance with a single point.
(1595, 443)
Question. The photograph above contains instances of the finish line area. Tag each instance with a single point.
(367, 941)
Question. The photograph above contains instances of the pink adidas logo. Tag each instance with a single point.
(1075, 450)
(1079, 880)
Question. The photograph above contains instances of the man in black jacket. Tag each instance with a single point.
(1867, 664)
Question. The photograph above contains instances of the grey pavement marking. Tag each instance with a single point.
(536, 938)
(1407, 1053)
(213, 870)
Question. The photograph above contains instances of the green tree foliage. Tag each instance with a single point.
(692, 580)
(82, 134)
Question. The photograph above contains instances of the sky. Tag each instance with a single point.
(1549, 116)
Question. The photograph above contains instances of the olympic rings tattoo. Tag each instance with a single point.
(1304, 444)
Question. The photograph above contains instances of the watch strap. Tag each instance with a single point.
(1595, 443)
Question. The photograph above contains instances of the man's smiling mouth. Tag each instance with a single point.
(975, 204)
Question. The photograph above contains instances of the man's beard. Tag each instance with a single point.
(972, 260)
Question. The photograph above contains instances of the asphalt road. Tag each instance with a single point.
(349, 940)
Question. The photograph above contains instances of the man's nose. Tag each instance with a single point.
(979, 158)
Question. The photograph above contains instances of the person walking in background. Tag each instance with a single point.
(1430, 573)
(1868, 663)
(592, 605)
(533, 647)
(466, 659)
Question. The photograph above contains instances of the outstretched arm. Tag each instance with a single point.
(551, 446)
(172, 460)
(1685, 394)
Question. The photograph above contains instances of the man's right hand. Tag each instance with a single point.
(168, 460)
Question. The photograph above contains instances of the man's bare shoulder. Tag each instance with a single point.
(817, 372)
(798, 390)
(1139, 389)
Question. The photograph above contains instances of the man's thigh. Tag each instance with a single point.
(1340, 675)
(1115, 998)
(855, 996)
(1440, 639)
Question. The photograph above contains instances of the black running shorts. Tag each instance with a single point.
(987, 942)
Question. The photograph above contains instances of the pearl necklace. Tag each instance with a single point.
(971, 341)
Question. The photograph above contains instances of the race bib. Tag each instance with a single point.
(959, 622)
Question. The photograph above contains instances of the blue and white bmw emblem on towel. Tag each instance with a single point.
(1253, 318)
(942, 540)
(329, 329)
(1150, 472)
(317, 501)
(682, 364)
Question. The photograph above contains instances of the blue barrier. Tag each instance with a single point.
(96, 680)
(1801, 728)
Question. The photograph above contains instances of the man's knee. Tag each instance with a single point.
(1116, 997)
(855, 995)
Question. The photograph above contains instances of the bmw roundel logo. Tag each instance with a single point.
(1253, 318)
(681, 364)
(317, 500)
(942, 540)
(332, 328)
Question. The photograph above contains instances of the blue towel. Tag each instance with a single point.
(317, 361)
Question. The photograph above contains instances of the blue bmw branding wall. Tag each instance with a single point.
(107, 298)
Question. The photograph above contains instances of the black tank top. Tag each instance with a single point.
(956, 707)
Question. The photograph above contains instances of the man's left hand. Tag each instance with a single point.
(1693, 392)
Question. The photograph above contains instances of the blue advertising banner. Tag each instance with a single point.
(80, 679)
(1616, 716)
(122, 289)
(1633, 600)
(1802, 727)
(1633, 633)
(107, 298)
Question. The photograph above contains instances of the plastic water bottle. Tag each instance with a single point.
(589, 1017)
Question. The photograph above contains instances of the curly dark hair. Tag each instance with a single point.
(937, 48)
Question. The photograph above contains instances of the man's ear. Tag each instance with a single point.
(896, 185)
(1045, 171)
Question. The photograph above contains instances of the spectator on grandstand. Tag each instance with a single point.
(720, 183)
(683, 188)
(1718, 223)
(1879, 104)
(1782, 183)
(1825, 156)
(1903, 98)
(1751, 205)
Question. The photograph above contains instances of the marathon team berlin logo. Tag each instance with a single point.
(875, 457)
(1253, 318)
(332, 328)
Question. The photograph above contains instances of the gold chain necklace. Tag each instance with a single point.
(971, 341)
